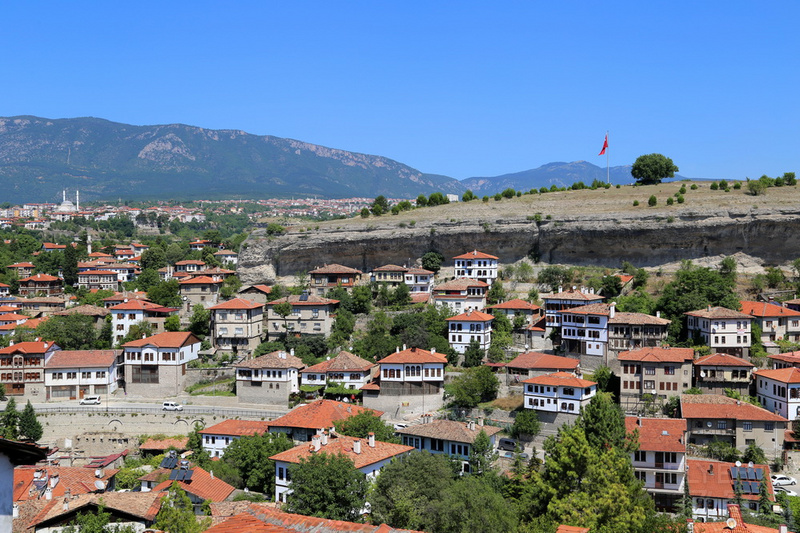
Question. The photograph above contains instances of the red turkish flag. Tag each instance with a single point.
(605, 145)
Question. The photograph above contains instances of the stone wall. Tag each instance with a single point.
(265, 394)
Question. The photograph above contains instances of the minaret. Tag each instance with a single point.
(77, 200)
(63, 195)
(89, 244)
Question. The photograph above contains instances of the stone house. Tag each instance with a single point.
(654, 373)
(327, 277)
(311, 315)
(236, 325)
(718, 371)
(346, 369)
(156, 366)
(200, 290)
(447, 437)
(270, 378)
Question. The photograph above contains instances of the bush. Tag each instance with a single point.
(714, 186)
(737, 186)
(723, 184)
(670, 201)
(652, 201)
(694, 186)
(635, 203)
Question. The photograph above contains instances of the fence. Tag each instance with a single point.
(187, 411)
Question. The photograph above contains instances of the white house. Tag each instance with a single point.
(227, 256)
(711, 487)
(72, 374)
(447, 437)
(368, 455)
(156, 366)
(461, 295)
(349, 370)
(419, 280)
(467, 327)
(559, 392)
(776, 322)
(218, 437)
(130, 312)
(269, 378)
(723, 330)
(555, 304)
(584, 329)
(476, 265)
(660, 461)
(779, 391)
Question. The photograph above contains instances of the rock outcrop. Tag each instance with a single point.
(604, 240)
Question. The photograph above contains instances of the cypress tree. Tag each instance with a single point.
(29, 425)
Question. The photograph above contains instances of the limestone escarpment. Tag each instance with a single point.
(605, 240)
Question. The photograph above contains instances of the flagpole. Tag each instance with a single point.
(608, 171)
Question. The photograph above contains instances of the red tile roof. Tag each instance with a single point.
(201, 485)
(560, 379)
(516, 303)
(320, 414)
(334, 269)
(390, 268)
(277, 359)
(245, 522)
(740, 527)
(82, 358)
(712, 479)
(784, 375)
(536, 360)
(659, 434)
(460, 284)
(449, 430)
(143, 505)
(344, 361)
(237, 428)
(134, 305)
(191, 262)
(472, 316)
(792, 358)
(311, 299)
(475, 254)
(574, 295)
(97, 273)
(41, 277)
(168, 339)
(29, 347)
(414, 355)
(571, 529)
(722, 407)
(21, 265)
(638, 319)
(77, 479)
(658, 355)
(344, 445)
(200, 280)
(765, 309)
(722, 359)
(266, 289)
(237, 303)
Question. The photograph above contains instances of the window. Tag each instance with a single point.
(747, 426)
(640, 456)
(769, 426)
(650, 385)
(669, 370)
(649, 371)
(722, 424)
(144, 374)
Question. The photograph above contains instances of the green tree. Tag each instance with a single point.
(473, 355)
(327, 486)
(468, 196)
(482, 454)
(364, 423)
(652, 168)
(756, 187)
(401, 295)
(283, 310)
(755, 454)
(603, 376)
(380, 205)
(250, 456)
(177, 513)
(342, 329)
(172, 323)
(496, 294)
(200, 321)
(70, 332)
(153, 258)
(652, 201)
(140, 330)
(473, 504)
(555, 276)
(9, 420)
(526, 424)
(727, 269)
(29, 425)
(432, 261)
(611, 286)
(96, 520)
(70, 268)
(230, 287)
(165, 293)
(422, 200)
(473, 386)
(409, 490)
(720, 450)
(603, 422)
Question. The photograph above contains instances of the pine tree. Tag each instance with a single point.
(177, 513)
(9, 420)
(29, 425)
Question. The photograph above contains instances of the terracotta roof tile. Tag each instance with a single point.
(420, 297)
(168, 339)
(784, 375)
(722, 407)
(237, 428)
(335, 268)
(449, 430)
(77, 479)
(536, 360)
(792, 358)
(475, 254)
(414, 355)
(264, 289)
(320, 414)
(237, 303)
(722, 359)
(460, 284)
(658, 355)
(659, 434)
(420, 271)
(344, 445)
(82, 359)
(344, 361)
(144, 505)
(574, 295)
(41, 277)
(277, 359)
(390, 268)
(245, 522)
(712, 479)
(516, 303)
(200, 280)
(765, 309)
(178, 443)
(718, 312)
(560, 379)
(28, 347)
(311, 299)
(571, 529)
(201, 485)
(134, 305)
(638, 319)
(472, 316)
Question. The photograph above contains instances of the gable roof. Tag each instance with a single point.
(414, 355)
(460, 284)
(718, 312)
(82, 359)
(237, 428)
(264, 289)
(766, 309)
(140, 505)
(638, 319)
(390, 268)
(344, 361)
(574, 295)
(560, 379)
(598, 308)
(472, 316)
(41, 277)
(310, 299)
(792, 358)
(536, 360)
(276, 359)
(78, 479)
(448, 430)
(178, 443)
(722, 407)
(343, 444)
(28, 347)
(245, 522)
(167, 339)
(722, 359)
(516, 303)
(659, 434)
(571, 529)
(201, 485)
(320, 414)
(658, 355)
(475, 254)
(712, 479)
(237, 303)
(200, 280)
(740, 527)
(784, 375)
(334, 268)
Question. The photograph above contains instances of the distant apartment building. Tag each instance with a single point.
(776, 322)
(310, 315)
(660, 461)
(716, 372)
(270, 378)
(156, 366)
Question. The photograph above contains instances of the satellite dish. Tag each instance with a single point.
(731, 523)
(738, 463)
(99, 485)
(709, 424)
(750, 464)
(702, 373)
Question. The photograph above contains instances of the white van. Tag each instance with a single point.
(90, 400)
(171, 406)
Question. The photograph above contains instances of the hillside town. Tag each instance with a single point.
(159, 382)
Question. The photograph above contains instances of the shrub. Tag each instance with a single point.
(652, 201)
(680, 199)
(714, 186)
(635, 203)
(723, 184)
(694, 186)
(683, 190)
(670, 201)
(737, 185)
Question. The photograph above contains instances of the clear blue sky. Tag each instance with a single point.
(456, 88)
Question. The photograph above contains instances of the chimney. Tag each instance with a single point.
(397, 349)
(53, 480)
(433, 350)
(471, 425)
(612, 309)
(98, 473)
(371, 439)
(291, 352)
(480, 421)
(639, 422)
(711, 469)
(783, 528)
(708, 308)
(658, 314)
(324, 438)
(66, 504)
(15, 510)
(315, 443)
(357, 446)
(404, 347)
(211, 473)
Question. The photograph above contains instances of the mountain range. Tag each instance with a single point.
(108, 160)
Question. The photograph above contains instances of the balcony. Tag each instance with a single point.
(713, 431)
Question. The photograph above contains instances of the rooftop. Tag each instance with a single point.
(167, 339)
(718, 312)
(784, 375)
(334, 269)
(722, 407)
(237, 428)
(659, 434)
(722, 359)
(658, 355)
(475, 254)
(560, 379)
(414, 355)
(344, 361)
(536, 360)
(767, 310)
(277, 359)
(343, 444)
(320, 414)
(82, 358)
(449, 430)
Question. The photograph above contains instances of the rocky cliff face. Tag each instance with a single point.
(773, 236)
